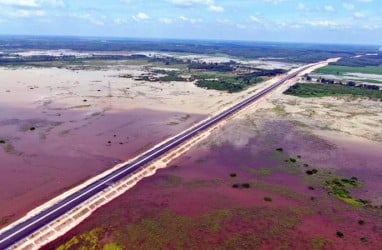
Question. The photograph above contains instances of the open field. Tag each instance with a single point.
(285, 52)
(61, 126)
(341, 70)
(321, 90)
(307, 169)
(250, 175)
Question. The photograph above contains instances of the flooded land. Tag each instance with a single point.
(294, 173)
(299, 170)
(64, 122)
(257, 183)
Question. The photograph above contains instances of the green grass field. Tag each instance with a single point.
(369, 81)
(321, 90)
(340, 70)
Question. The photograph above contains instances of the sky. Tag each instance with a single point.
(313, 21)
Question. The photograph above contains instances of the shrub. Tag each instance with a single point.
(292, 160)
(32, 128)
(235, 185)
(269, 199)
(320, 90)
(361, 222)
(2, 141)
(233, 175)
(314, 171)
(309, 172)
(280, 149)
(340, 234)
(246, 185)
(311, 188)
(364, 202)
(363, 239)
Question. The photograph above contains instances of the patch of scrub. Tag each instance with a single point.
(340, 189)
(89, 240)
(321, 243)
(171, 230)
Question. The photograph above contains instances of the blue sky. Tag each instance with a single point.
(322, 21)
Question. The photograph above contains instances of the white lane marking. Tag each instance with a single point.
(144, 159)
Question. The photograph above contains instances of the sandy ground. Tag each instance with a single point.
(353, 77)
(283, 116)
(338, 136)
(193, 205)
(62, 89)
(60, 127)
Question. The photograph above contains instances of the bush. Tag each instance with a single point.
(280, 149)
(292, 160)
(309, 172)
(320, 90)
(246, 185)
(233, 175)
(235, 185)
(2, 141)
(361, 222)
(340, 234)
(268, 199)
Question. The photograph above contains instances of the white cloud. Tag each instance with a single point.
(224, 21)
(288, 25)
(120, 20)
(255, 19)
(372, 27)
(189, 3)
(22, 3)
(301, 6)
(33, 3)
(211, 5)
(96, 20)
(329, 8)
(191, 20)
(216, 8)
(55, 3)
(21, 13)
(259, 20)
(323, 23)
(358, 15)
(166, 20)
(141, 16)
(241, 26)
(274, 1)
(348, 6)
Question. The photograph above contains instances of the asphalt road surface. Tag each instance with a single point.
(31, 225)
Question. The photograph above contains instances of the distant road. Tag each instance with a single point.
(31, 225)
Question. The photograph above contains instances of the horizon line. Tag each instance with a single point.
(189, 39)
